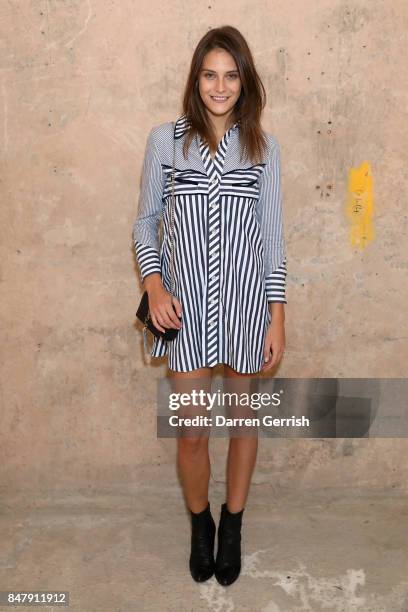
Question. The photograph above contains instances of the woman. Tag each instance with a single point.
(229, 266)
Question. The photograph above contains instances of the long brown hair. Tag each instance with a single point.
(249, 106)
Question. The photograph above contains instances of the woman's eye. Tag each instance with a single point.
(208, 75)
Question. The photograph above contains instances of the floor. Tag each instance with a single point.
(125, 550)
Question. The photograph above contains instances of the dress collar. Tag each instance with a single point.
(183, 123)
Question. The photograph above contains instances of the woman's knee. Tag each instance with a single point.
(193, 445)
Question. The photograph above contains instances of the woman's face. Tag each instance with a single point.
(219, 83)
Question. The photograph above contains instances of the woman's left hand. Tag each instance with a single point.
(274, 343)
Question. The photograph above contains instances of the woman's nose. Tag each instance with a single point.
(220, 85)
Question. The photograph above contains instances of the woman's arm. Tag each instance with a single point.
(146, 240)
(271, 222)
(146, 225)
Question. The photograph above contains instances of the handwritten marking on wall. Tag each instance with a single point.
(360, 205)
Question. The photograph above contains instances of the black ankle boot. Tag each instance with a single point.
(228, 561)
(202, 545)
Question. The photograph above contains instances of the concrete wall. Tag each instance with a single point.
(82, 82)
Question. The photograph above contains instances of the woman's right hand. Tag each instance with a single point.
(161, 310)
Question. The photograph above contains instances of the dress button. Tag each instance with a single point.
(214, 181)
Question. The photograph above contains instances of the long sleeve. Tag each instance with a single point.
(270, 216)
(146, 225)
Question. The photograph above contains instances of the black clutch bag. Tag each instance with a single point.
(142, 313)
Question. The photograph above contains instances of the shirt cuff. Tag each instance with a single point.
(275, 285)
(148, 259)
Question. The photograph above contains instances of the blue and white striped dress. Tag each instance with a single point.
(229, 248)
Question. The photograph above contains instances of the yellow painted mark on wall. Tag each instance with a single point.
(360, 205)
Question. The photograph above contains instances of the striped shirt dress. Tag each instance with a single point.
(229, 247)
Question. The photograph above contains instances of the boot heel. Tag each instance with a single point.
(201, 563)
(228, 560)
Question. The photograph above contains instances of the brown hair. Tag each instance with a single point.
(249, 106)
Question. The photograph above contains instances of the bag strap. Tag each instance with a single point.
(172, 206)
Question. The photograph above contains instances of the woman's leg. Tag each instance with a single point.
(241, 460)
(193, 459)
(242, 451)
(194, 467)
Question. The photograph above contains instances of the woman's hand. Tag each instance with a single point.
(161, 310)
(274, 343)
